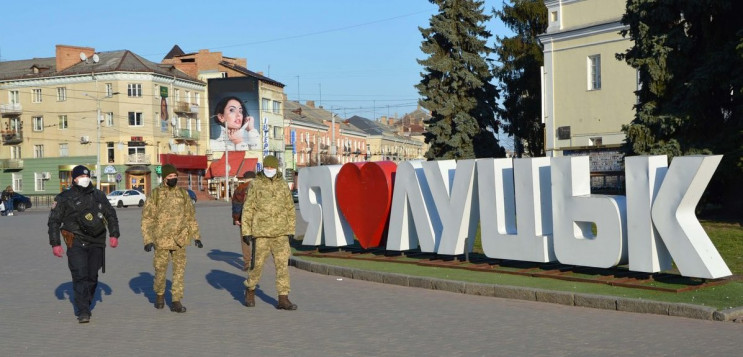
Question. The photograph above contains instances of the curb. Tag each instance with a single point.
(526, 293)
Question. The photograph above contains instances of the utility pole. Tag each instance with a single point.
(98, 118)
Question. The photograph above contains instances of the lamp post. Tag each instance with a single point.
(98, 170)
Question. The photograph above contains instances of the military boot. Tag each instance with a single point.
(160, 301)
(249, 297)
(285, 304)
(176, 306)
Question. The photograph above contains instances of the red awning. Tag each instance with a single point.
(185, 162)
(216, 169)
(247, 165)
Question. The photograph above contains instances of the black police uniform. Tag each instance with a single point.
(86, 256)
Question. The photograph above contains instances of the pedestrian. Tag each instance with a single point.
(268, 222)
(168, 225)
(7, 199)
(82, 215)
(238, 199)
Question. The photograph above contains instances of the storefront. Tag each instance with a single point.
(191, 170)
(238, 165)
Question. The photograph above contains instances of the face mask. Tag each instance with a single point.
(269, 172)
(171, 182)
(83, 181)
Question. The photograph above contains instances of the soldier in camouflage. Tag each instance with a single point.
(168, 224)
(268, 220)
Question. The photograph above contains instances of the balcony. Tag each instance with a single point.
(138, 159)
(12, 137)
(185, 108)
(11, 164)
(11, 110)
(186, 134)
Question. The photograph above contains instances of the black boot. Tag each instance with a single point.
(285, 304)
(176, 306)
(160, 301)
(249, 297)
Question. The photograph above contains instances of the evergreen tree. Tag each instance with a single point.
(456, 86)
(519, 74)
(690, 60)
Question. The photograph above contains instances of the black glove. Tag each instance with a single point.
(291, 237)
(247, 239)
(148, 247)
(198, 243)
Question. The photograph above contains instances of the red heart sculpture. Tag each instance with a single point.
(364, 195)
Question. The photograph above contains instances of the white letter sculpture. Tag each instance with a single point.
(319, 208)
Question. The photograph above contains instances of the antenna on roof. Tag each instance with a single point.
(83, 57)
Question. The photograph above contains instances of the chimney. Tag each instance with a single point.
(310, 103)
(68, 56)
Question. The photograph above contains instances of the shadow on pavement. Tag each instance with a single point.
(231, 258)
(234, 284)
(142, 284)
(64, 292)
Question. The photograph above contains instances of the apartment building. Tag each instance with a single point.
(114, 111)
(311, 130)
(385, 144)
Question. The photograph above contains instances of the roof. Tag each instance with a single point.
(174, 52)
(250, 73)
(110, 61)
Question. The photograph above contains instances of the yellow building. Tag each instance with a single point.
(588, 93)
(146, 112)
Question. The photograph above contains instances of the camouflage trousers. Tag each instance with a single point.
(160, 261)
(279, 248)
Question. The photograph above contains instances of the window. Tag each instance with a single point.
(266, 105)
(553, 16)
(38, 151)
(110, 152)
(188, 96)
(277, 134)
(224, 74)
(594, 72)
(109, 89)
(135, 119)
(197, 98)
(134, 90)
(38, 123)
(64, 150)
(13, 97)
(39, 181)
(18, 182)
(177, 95)
(136, 150)
(62, 122)
(15, 152)
(276, 107)
(110, 119)
(61, 94)
(36, 95)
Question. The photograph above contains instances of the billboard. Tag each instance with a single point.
(233, 114)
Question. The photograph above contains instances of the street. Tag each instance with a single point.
(336, 316)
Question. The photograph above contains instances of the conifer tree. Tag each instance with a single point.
(456, 84)
(519, 74)
(690, 60)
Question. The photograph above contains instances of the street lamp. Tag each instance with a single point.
(98, 170)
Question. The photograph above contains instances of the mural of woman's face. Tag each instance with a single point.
(232, 117)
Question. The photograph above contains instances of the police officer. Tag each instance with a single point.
(82, 215)
(168, 224)
(268, 221)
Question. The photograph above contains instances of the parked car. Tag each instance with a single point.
(192, 195)
(20, 202)
(295, 195)
(126, 198)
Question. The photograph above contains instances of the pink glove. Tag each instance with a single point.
(57, 250)
(114, 242)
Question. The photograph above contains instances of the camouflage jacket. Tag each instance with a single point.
(268, 211)
(169, 218)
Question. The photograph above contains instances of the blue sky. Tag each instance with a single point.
(353, 57)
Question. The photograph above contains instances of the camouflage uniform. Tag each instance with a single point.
(169, 221)
(268, 215)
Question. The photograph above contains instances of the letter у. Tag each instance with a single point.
(414, 219)
(575, 209)
(516, 193)
(454, 192)
(319, 208)
(674, 217)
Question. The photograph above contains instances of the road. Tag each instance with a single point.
(336, 317)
